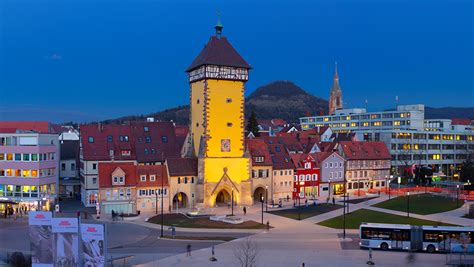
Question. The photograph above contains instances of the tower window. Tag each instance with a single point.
(229, 100)
(197, 124)
(197, 101)
(229, 124)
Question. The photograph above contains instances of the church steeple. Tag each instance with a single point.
(335, 99)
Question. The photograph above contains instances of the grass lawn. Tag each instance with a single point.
(420, 204)
(359, 200)
(354, 219)
(179, 220)
(306, 212)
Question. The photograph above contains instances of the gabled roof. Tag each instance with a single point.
(258, 148)
(148, 170)
(364, 150)
(218, 51)
(107, 168)
(182, 166)
(282, 161)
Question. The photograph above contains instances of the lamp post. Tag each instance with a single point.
(408, 204)
(329, 197)
(399, 181)
(457, 195)
(299, 205)
(156, 201)
(266, 198)
(261, 200)
(389, 195)
(162, 193)
(232, 201)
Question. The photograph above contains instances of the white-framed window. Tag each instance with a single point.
(129, 192)
(340, 164)
(116, 180)
(121, 192)
(307, 165)
(315, 177)
(142, 178)
(330, 164)
(152, 178)
(308, 177)
(340, 174)
(121, 180)
(301, 178)
(330, 175)
(296, 178)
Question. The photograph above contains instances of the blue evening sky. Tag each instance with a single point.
(87, 60)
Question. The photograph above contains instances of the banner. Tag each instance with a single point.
(66, 242)
(93, 250)
(41, 239)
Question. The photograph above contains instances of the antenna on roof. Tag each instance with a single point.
(219, 25)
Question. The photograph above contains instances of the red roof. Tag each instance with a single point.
(141, 141)
(258, 148)
(34, 126)
(148, 170)
(460, 121)
(182, 166)
(298, 159)
(106, 169)
(364, 150)
(218, 51)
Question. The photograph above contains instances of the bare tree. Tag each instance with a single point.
(247, 252)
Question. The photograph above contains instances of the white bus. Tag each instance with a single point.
(421, 238)
(448, 238)
(385, 236)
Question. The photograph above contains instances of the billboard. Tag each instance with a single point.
(41, 239)
(65, 242)
(93, 247)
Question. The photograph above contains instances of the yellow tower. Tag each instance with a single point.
(217, 79)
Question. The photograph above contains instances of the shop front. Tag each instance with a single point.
(126, 207)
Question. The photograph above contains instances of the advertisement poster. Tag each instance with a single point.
(66, 242)
(41, 238)
(93, 237)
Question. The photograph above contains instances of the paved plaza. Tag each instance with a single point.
(288, 243)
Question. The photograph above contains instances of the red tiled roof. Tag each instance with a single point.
(148, 170)
(326, 146)
(258, 148)
(364, 150)
(460, 121)
(132, 138)
(182, 166)
(278, 122)
(162, 139)
(107, 168)
(35, 126)
(282, 161)
(218, 51)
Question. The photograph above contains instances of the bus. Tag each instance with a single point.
(418, 238)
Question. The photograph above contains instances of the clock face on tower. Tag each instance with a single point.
(225, 145)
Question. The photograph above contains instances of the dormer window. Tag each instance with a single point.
(126, 153)
(259, 159)
(118, 176)
(152, 178)
(307, 165)
(142, 178)
(146, 129)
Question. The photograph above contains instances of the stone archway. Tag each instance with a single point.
(258, 194)
(223, 197)
(180, 200)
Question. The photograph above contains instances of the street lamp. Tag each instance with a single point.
(389, 195)
(162, 193)
(457, 196)
(232, 201)
(266, 198)
(261, 200)
(156, 201)
(399, 181)
(408, 204)
(329, 197)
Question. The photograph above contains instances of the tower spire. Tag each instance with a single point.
(219, 26)
(336, 76)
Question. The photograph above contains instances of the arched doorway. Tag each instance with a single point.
(180, 200)
(223, 197)
(258, 194)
